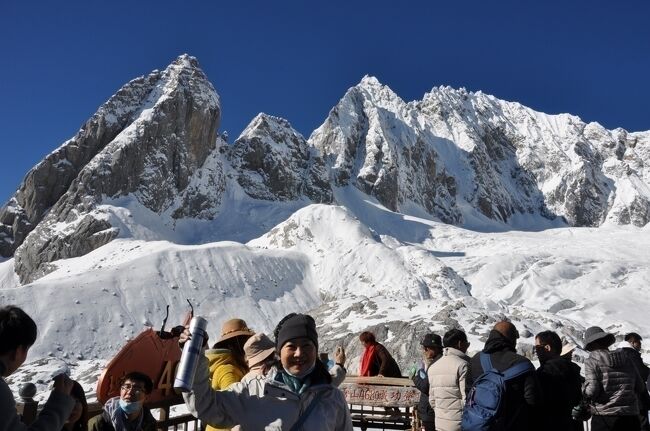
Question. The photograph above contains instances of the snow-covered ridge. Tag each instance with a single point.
(465, 158)
(354, 267)
(485, 159)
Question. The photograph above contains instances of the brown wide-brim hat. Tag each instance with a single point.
(234, 328)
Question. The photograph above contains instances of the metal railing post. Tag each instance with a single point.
(27, 408)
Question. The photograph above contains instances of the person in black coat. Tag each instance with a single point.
(631, 347)
(560, 383)
(432, 351)
(523, 393)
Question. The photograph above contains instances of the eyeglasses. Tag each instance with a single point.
(135, 390)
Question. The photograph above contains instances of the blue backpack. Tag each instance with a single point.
(485, 397)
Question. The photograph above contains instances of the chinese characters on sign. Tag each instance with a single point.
(371, 395)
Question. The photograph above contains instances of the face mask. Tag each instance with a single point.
(130, 408)
(303, 374)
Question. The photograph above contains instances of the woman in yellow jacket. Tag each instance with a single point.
(226, 359)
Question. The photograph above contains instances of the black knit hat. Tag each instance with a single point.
(431, 341)
(295, 326)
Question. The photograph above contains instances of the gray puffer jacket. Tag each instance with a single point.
(612, 384)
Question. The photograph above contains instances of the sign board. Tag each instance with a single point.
(150, 354)
(380, 395)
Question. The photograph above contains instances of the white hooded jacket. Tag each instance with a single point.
(264, 403)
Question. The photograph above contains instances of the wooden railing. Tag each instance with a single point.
(28, 409)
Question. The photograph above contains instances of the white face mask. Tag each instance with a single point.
(130, 407)
(303, 374)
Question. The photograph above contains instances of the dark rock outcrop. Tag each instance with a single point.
(48, 181)
(274, 162)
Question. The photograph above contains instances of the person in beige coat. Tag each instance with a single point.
(448, 381)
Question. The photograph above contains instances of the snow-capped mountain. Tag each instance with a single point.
(452, 211)
(460, 155)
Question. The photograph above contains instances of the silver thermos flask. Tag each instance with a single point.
(190, 357)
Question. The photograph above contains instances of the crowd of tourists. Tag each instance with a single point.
(254, 381)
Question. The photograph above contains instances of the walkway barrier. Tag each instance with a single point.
(28, 409)
(383, 403)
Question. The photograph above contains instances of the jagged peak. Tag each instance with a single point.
(370, 81)
(264, 117)
(449, 92)
(186, 61)
(373, 87)
(185, 70)
(267, 121)
(461, 96)
(370, 89)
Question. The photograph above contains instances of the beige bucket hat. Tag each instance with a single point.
(567, 348)
(258, 348)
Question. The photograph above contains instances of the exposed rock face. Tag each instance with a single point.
(403, 344)
(156, 154)
(274, 162)
(44, 185)
(528, 162)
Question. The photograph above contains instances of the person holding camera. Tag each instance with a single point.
(17, 335)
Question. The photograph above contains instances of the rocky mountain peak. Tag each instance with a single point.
(148, 140)
(501, 159)
(186, 72)
(373, 93)
(274, 162)
(373, 140)
(266, 125)
(186, 60)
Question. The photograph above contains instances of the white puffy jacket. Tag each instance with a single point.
(448, 388)
(263, 403)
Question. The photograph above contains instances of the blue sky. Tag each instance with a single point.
(295, 59)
